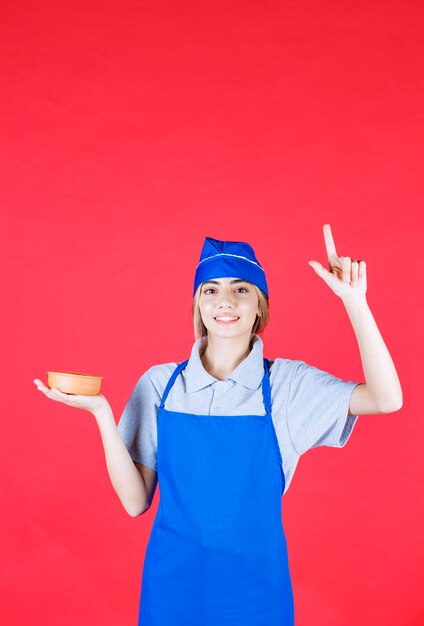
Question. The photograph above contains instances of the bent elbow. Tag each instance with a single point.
(394, 405)
(137, 512)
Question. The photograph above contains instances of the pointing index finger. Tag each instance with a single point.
(329, 243)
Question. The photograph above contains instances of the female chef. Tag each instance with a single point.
(222, 432)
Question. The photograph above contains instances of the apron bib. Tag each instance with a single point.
(217, 553)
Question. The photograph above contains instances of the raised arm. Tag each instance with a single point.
(382, 392)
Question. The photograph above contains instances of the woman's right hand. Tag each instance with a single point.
(93, 404)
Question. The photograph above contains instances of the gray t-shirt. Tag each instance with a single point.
(309, 406)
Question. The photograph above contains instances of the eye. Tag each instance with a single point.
(237, 289)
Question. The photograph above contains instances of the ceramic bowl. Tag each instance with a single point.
(75, 382)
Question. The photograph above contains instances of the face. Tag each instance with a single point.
(228, 297)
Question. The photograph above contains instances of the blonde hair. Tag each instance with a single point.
(261, 321)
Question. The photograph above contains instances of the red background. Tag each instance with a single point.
(132, 130)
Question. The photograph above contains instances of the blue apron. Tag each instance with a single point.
(217, 553)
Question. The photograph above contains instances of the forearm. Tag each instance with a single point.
(379, 370)
(126, 479)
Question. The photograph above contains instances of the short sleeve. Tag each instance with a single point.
(138, 423)
(318, 407)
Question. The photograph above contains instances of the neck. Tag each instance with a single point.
(221, 355)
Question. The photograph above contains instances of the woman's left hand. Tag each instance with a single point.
(347, 277)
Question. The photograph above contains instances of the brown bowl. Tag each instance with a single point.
(75, 382)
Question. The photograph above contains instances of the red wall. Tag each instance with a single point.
(132, 130)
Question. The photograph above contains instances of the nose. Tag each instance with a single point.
(225, 300)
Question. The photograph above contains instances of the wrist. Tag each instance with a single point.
(355, 304)
(103, 413)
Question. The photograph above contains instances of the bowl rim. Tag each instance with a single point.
(76, 374)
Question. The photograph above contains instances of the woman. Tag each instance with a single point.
(223, 432)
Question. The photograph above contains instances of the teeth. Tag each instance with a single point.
(226, 319)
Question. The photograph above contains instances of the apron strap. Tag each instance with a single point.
(266, 388)
(175, 373)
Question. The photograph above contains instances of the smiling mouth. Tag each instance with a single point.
(225, 319)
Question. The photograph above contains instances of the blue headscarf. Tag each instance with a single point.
(229, 258)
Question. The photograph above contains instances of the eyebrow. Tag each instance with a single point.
(216, 282)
